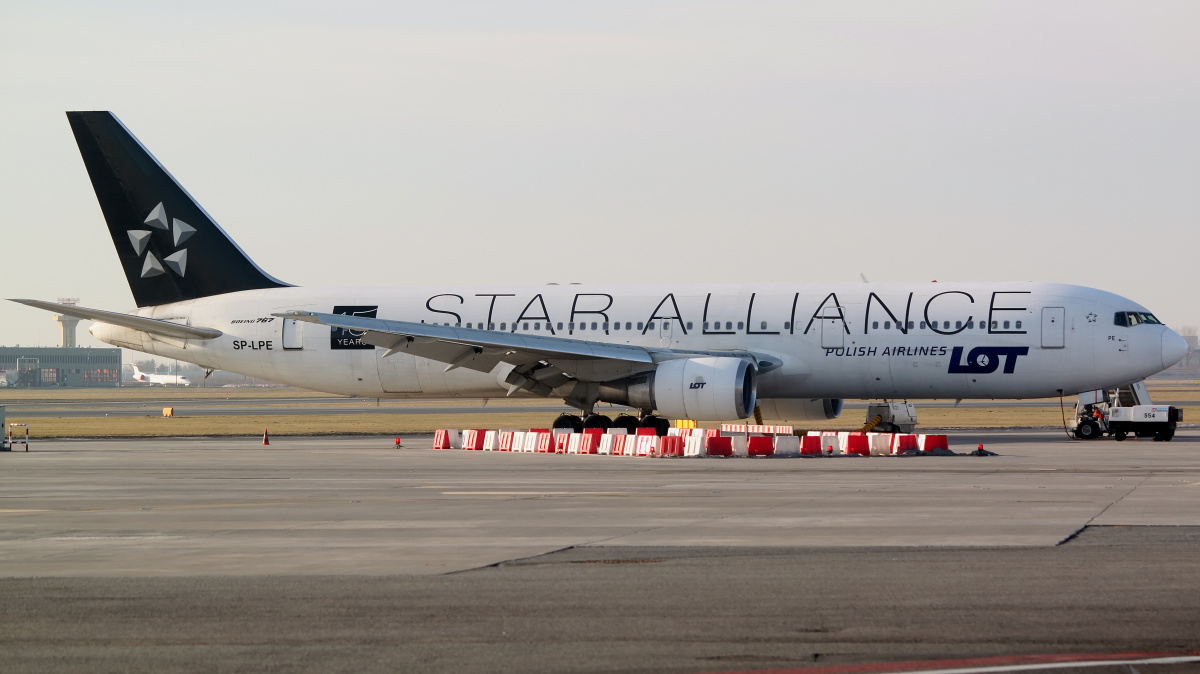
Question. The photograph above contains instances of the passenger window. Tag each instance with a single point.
(957, 325)
(606, 327)
(874, 325)
(468, 326)
(1005, 325)
(650, 325)
(887, 325)
(639, 325)
(689, 325)
(502, 328)
(538, 326)
(571, 326)
(491, 326)
(787, 325)
(560, 325)
(970, 325)
(1018, 325)
(629, 324)
(945, 325)
(705, 325)
(910, 325)
(525, 327)
(764, 326)
(922, 325)
(458, 325)
(617, 325)
(995, 324)
(741, 326)
(728, 325)
(593, 326)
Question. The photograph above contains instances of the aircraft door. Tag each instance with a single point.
(1054, 333)
(833, 333)
(665, 333)
(293, 334)
(397, 372)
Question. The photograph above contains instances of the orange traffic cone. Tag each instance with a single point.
(266, 438)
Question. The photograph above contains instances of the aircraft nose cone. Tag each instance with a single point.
(1174, 348)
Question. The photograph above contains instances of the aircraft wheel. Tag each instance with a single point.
(660, 425)
(597, 421)
(626, 421)
(570, 421)
(1120, 435)
(1168, 435)
(1087, 430)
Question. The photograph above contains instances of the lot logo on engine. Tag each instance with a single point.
(341, 338)
(986, 359)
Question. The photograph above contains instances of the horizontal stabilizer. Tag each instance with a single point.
(151, 325)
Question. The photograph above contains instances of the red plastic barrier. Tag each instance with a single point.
(810, 445)
(441, 439)
(619, 442)
(506, 440)
(716, 445)
(903, 442)
(544, 442)
(590, 442)
(856, 443)
(672, 445)
(933, 442)
(760, 445)
(473, 439)
(646, 431)
(561, 442)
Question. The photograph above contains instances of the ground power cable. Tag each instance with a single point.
(1063, 407)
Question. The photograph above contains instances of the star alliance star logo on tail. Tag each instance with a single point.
(180, 232)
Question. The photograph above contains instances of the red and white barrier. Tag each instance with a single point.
(531, 442)
(718, 445)
(506, 441)
(810, 445)
(787, 445)
(671, 445)
(829, 444)
(929, 443)
(693, 444)
(590, 443)
(880, 444)
(491, 441)
(473, 439)
(606, 444)
(447, 439)
(562, 442)
(622, 444)
(760, 445)
(856, 443)
(646, 445)
(903, 442)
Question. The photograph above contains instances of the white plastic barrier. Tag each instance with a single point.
(676, 432)
(693, 445)
(787, 445)
(557, 432)
(491, 441)
(606, 444)
(574, 443)
(518, 442)
(647, 445)
(880, 443)
(830, 445)
(841, 436)
(616, 431)
(531, 442)
(740, 445)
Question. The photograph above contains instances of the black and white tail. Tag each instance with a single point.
(170, 248)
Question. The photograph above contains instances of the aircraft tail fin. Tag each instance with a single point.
(170, 249)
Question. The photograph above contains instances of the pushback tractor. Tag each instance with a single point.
(1122, 412)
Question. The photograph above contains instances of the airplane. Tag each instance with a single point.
(160, 379)
(706, 351)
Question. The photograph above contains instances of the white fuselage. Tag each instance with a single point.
(966, 340)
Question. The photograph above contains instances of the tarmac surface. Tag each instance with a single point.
(347, 554)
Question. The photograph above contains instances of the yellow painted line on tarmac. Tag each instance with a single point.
(8, 511)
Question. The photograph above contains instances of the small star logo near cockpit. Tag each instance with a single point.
(1091, 318)
(180, 232)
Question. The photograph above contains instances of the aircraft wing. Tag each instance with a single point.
(483, 350)
(151, 325)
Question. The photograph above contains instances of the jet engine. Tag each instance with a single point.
(800, 409)
(703, 389)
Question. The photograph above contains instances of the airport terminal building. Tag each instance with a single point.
(30, 367)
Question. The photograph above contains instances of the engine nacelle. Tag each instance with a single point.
(703, 389)
(800, 409)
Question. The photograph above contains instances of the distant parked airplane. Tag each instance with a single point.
(160, 379)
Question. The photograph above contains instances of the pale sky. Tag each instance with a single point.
(390, 143)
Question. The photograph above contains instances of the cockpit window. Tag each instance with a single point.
(1131, 318)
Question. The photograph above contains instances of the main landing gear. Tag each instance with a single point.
(576, 422)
